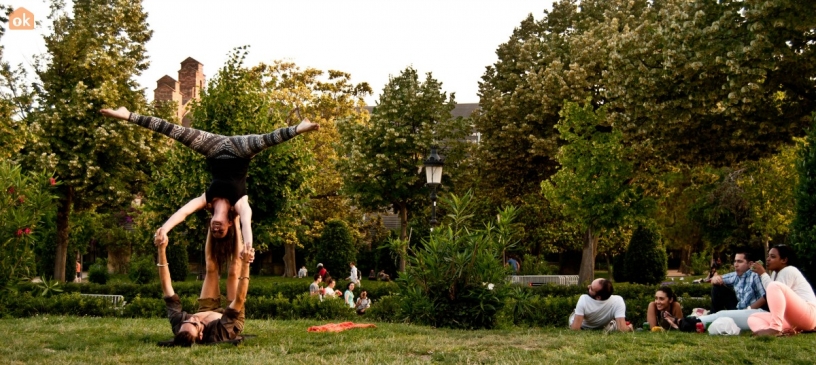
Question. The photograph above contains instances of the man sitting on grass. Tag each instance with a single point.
(600, 309)
(211, 323)
(737, 295)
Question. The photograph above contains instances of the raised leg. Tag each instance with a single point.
(235, 264)
(210, 288)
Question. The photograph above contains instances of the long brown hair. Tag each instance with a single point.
(222, 249)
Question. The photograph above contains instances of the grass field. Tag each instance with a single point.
(82, 340)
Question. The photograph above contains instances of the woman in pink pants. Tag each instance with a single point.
(790, 297)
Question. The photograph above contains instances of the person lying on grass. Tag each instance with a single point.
(665, 303)
(599, 309)
(211, 323)
(228, 162)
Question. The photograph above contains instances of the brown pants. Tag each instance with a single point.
(214, 305)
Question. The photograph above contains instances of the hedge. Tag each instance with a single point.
(548, 305)
(289, 291)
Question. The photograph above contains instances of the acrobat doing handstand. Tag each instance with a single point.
(228, 162)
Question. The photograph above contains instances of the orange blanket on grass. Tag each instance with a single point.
(339, 327)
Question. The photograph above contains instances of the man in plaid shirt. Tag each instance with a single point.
(740, 289)
(740, 292)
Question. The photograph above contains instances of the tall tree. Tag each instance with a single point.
(712, 82)
(594, 185)
(768, 185)
(324, 98)
(383, 157)
(543, 64)
(93, 55)
(804, 223)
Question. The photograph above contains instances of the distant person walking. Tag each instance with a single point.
(514, 265)
(354, 275)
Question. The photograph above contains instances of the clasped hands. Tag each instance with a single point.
(160, 240)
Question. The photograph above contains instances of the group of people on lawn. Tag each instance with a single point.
(322, 276)
(776, 300)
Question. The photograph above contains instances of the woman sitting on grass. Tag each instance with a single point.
(664, 305)
(362, 303)
(791, 300)
(329, 291)
(348, 296)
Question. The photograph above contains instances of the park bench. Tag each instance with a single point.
(117, 301)
(536, 280)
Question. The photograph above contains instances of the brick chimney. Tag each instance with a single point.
(191, 79)
(188, 88)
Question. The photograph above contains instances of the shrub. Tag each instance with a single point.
(455, 278)
(700, 263)
(646, 260)
(142, 270)
(536, 265)
(619, 268)
(386, 309)
(523, 306)
(177, 262)
(307, 306)
(140, 307)
(98, 272)
(335, 248)
(277, 307)
(25, 198)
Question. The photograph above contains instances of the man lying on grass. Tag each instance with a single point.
(600, 309)
(211, 323)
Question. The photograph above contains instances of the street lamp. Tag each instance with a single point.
(433, 174)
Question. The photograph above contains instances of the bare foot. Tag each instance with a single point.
(307, 126)
(121, 113)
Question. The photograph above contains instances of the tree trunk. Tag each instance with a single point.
(63, 215)
(685, 259)
(289, 269)
(403, 213)
(766, 240)
(587, 272)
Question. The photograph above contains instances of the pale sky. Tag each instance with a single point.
(453, 39)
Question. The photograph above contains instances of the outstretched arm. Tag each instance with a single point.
(191, 207)
(245, 212)
(164, 271)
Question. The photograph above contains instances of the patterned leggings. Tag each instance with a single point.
(215, 145)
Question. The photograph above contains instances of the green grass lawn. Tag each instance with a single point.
(81, 340)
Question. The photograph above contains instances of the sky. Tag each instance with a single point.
(371, 40)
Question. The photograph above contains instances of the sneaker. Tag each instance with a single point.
(612, 326)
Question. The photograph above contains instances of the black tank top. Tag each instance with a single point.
(228, 178)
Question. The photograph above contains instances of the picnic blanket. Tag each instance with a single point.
(339, 327)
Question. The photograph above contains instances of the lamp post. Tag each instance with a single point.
(433, 174)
